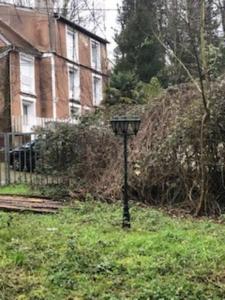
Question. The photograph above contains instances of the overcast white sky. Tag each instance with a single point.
(110, 22)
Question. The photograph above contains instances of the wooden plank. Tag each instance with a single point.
(31, 202)
(10, 203)
(30, 206)
(19, 198)
(24, 209)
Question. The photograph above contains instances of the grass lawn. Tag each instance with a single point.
(84, 254)
(17, 189)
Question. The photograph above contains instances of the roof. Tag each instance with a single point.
(15, 39)
(81, 29)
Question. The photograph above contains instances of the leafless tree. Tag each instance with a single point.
(87, 13)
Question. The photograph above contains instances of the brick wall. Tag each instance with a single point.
(85, 65)
(104, 59)
(4, 95)
(45, 84)
(84, 49)
(15, 84)
(62, 92)
(34, 27)
(86, 87)
(61, 39)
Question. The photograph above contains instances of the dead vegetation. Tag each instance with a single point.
(165, 158)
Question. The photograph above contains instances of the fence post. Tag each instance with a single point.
(7, 163)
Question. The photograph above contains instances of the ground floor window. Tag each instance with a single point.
(28, 114)
(97, 89)
(74, 83)
(25, 114)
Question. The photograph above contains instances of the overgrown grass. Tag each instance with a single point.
(84, 254)
(49, 191)
(17, 189)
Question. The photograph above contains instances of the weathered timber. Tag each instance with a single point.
(11, 203)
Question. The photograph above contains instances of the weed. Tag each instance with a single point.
(84, 254)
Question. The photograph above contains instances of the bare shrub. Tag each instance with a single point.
(168, 150)
(164, 158)
(83, 157)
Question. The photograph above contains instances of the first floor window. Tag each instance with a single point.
(97, 90)
(74, 84)
(95, 55)
(72, 46)
(27, 74)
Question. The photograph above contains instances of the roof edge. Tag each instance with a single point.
(81, 29)
(18, 35)
(4, 39)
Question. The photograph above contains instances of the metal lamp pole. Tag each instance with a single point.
(126, 212)
(125, 127)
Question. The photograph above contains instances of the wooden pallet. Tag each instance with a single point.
(36, 205)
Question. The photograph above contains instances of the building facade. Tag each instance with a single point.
(50, 69)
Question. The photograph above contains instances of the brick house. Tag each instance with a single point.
(50, 68)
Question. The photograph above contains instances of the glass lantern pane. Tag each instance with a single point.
(135, 124)
(125, 126)
(114, 126)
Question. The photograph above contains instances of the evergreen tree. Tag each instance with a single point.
(139, 20)
(164, 38)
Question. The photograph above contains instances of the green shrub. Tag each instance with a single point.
(124, 88)
(153, 89)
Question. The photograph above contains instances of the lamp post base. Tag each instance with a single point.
(126, 217)
(126, 224)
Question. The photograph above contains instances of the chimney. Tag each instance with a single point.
(46, 7)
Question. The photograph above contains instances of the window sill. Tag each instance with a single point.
(72, 100)
(97, 105)
(29, 94)
(73, 60)
(98, 69)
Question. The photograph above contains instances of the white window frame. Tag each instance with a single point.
(97, 103)
(31, 59)
(25, 104)
(76, 106)
(76, 68)
(76, 50)
(99, 66)
(32, 101)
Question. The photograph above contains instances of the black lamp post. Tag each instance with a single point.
(125, 127)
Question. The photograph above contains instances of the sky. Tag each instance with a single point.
(111, 24)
